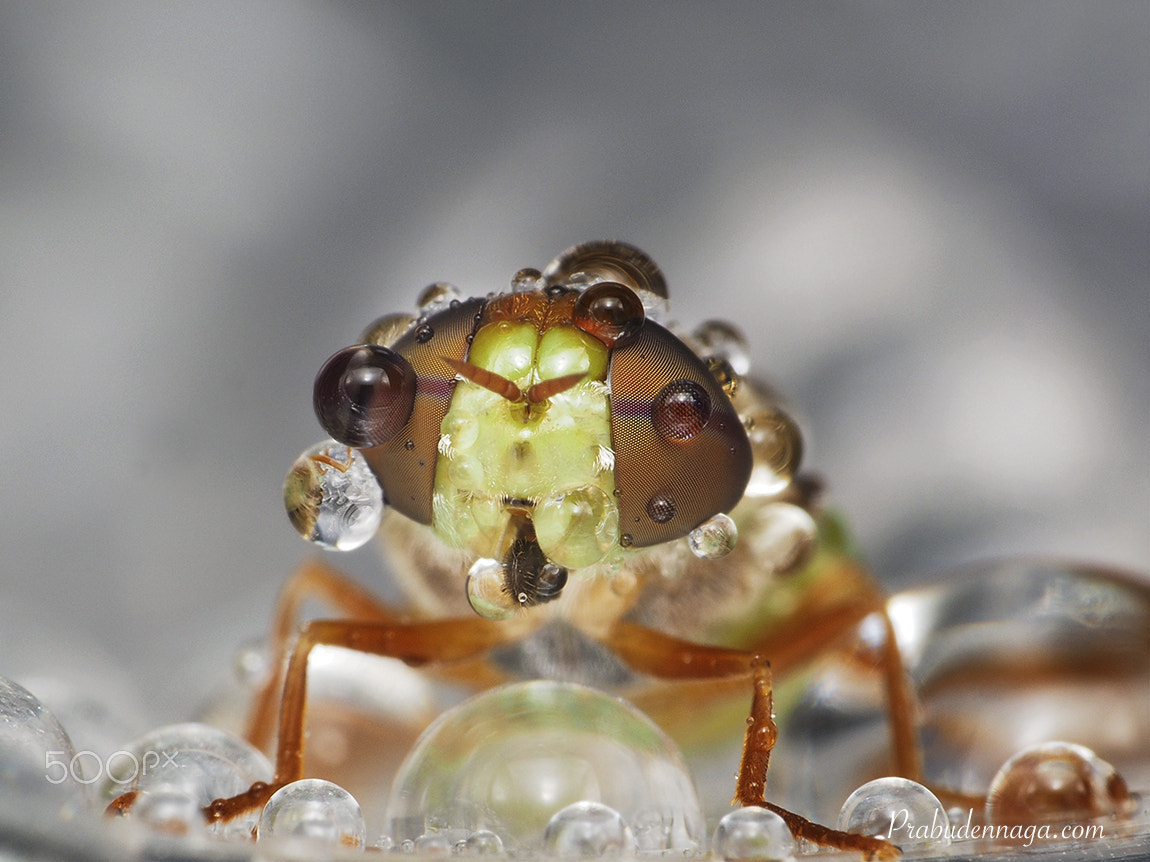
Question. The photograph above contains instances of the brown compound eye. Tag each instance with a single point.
(364, 395)
(681, 410)
(609, 311)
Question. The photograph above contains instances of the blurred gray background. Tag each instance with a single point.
(931, 220)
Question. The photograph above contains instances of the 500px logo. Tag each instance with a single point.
(121, 767)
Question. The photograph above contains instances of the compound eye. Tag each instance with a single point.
(681, 410)
(364, 395)
(609, 311)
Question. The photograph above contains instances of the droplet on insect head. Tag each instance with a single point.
(512, 759)
(41, 770)
(783, 536)
(898, 809)
(777, 449)
(1055, 781)
(577, 527)
(661, 508)
(385, 331)
(752, 833)
(332, 497)
(681, 410)
(526, 280)
(722, 340)
(364, 395)
(713, 538)
(199, 760)
(316, 811)
(609, 311)
(437, 297)
(424, 333)
(588, 830)
(487, 590)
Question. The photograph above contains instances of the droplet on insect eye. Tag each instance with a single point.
(661, 508)
(315, 810)
(333, 498)
(385, 331)
(681, 410)
(364, 395)
(714, 538)
(436, 297)
(783, 536)
(487, 590)
(777, 448)
(526, 280)
(424, 333)
(898, 809)
(507, 760)
(202, 761)
(752, 833)
(588, 830)
(610, 312)
(41, 769)
(576, 528)
(719, 339)
(1055, 781)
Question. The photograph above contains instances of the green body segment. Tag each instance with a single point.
(552, 460)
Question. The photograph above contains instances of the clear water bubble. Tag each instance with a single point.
(783, 536)
(387, 330)
(588, 830)
(39, 769)
(898, 809)
(722, 340)
(577, 527)
(437, 297)
(1055, 782)
(201, 761)
(713, 538)
(526, 280)
(315, 810)
(777, 449)
(483, 842)
(433, 844)
(169, 809)
(508, 759)
(487, 590)
(752, 833)
(332, 497)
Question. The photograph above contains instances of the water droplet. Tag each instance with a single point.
(898, 809)
(409, 445)
(752, 833)
(332, 497)
(487, 590)
(661, 508)
(585, 830)
(681, 410)
(577, 527)
(169, 809)
(436, 297)
(315, 810)
(783, 536)
(610, 312)
(777, 449)
(483, 842)
(462, 427)
(526, 280)
(424, 333)
(626, 540)
(433, 844)
(714, 538)
(1055, 782)
(385, 331)
(364, 395)
(722, 340)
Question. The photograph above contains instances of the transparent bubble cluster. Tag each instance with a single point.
(332, 497)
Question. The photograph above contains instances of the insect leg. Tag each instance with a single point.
(667, 657)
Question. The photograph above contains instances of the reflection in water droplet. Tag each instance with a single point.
(526, 280)
(487, 590)
(577, 527)
(714, 537)
(424, 333)
(436, 297)
(332, 497)
(722, 340)
(315, 810)
(783, 536)
(752, 833)
(588, 830)
(386, 330)
(777, 448)
(661, 508)
(898, 809)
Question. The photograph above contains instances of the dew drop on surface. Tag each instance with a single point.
(526, 280)
(783, 536)
(681, 410)
(714, 538)
(482, 842)
(898, 809)
(332, 498)
(661, 508)
(577, 527)
(507, 760)
(169, 809)
(777, 449)
(752, 833)
(588, 830)
(1055, 782)
(487, 590)
(724, 341)
(432, 844)
(387, 330)
(424, 333)
(315, 810)
(437, 297)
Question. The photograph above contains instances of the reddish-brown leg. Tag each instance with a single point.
(666, 657)
(417, 643)
(313, 581)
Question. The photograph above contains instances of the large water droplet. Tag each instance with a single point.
(752, 833)
(898, 809)
(315, 810)
(588, 830)
(714, 538)
(333, 498)
(437, 297)
(487, 590)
